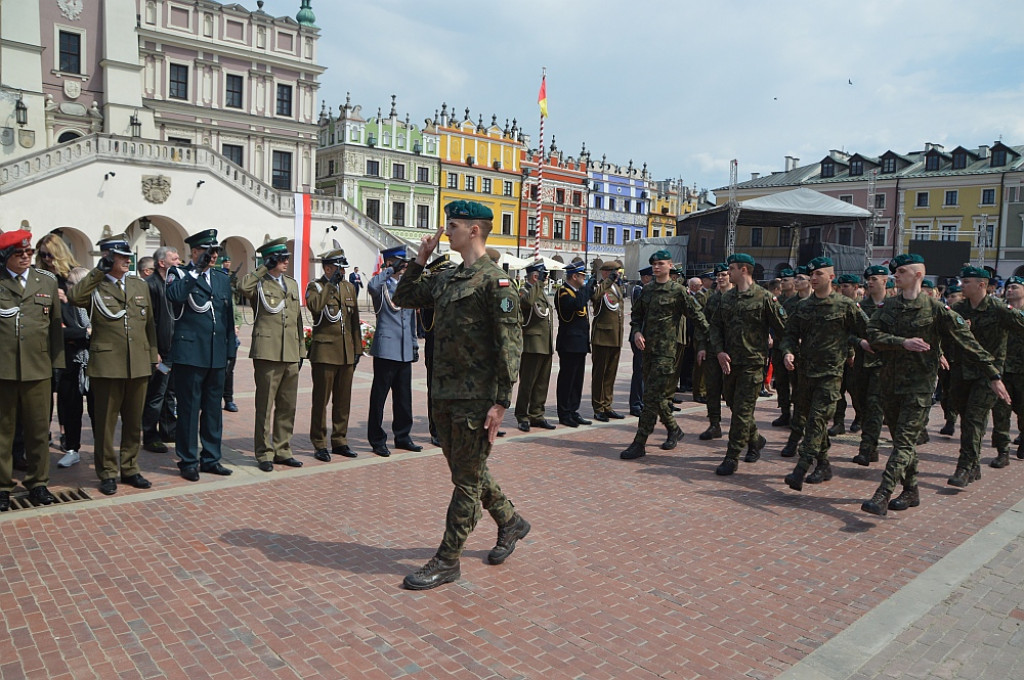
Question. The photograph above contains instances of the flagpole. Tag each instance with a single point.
(540, 166)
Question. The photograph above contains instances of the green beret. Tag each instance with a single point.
(957, 288)
(927, 283)
(1013, 279)
(468, 210)
(969, 272)
(890, 284)
(740, 258)
(207, 237)
(787, 273)
(905, 258)
(660, 255)
(721, 267)
(876, 270)
(802, 269)
(278, 245)
(819, 263)
(850, 278)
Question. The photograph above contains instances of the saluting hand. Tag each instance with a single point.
(427, 246)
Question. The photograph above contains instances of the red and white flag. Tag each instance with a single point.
(300, 258)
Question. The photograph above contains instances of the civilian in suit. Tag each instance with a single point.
(572, 344)
(158, 415)
(394, 350)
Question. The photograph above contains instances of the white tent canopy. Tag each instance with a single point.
(801, 207)
(515, 263)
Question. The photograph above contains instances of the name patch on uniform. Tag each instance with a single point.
(503, 283)
(506, 304)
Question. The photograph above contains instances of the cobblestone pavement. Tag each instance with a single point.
(634, 569)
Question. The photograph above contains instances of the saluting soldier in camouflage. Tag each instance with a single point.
(712, 370)
(334, 352)
(906, 330)
(1013, 377)
(824, 326)
(609, 306)
(653, 323)
(538, 348)
(478, 343)
(875, 278)
(796, 422)
(739, 339)
(991, 321)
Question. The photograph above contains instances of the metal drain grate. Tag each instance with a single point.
(19, 499)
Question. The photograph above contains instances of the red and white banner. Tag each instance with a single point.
(300, 258)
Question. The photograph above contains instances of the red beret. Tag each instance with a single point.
(18, 237)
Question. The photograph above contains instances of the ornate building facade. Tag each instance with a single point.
(620, 203)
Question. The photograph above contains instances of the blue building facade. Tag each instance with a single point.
(619, 205)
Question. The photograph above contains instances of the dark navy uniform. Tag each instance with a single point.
(572, 345)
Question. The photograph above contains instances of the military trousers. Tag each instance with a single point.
(741, 388)
(200, 428)
(636, 381)
(783, 390)
(1001, 411)
(466, 446)
(113, 398)
(659, 386)
(847, 386)
(569, 385)
(331, 383)
(821, 394)
(906, 415)
(713, 389)
(801, 411)
(25, 402)
(602, 377)
(534, 378)
(158, 416)
(871, 417)
(277, 388)
(945, 398)
(973, 400)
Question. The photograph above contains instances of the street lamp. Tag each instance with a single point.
(21, 112)
(135, 125)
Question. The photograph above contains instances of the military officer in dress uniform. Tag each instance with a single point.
(606, 339)
(636, 382)
(572, 343)
(535, 364)
(30, 321)
(335, 351)
(204, 341)
(122, 354)
(278, 348)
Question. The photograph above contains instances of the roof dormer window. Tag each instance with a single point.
(856, 167)
(888, 164)
(828, 168)
(959, 160)
(932, 162)
(998, 158)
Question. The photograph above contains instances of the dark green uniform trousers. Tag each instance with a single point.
(973, 400)
(534, 377)
(782, 379)
(660, 376)
(906, 415)
(333, 383)
(26, 402)
(602, 377)
(821, 394)
(277, 387)
(113, 397)
(464, 441)
(741, 389)
(1001, 411)
(713, 389)
(871, 416)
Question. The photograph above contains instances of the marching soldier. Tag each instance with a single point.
(30, 321)
(783, 388)
(572, 344)
(1013, 377)
(122, 354)
(278, 348)
(849, 284)
(954, 294)
(712, 371)
(606, 339)
(535, 364)
(870, 366)
(802, 291)
(636, 383)
(204, 341)
(335, 351)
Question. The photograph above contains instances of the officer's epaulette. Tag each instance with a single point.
(220, 270)
(566, 291)
(46, 273)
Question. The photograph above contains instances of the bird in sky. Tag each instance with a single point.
(849, 81)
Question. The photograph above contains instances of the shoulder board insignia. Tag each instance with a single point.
(504, 283)
(47, 273)
(566, 291)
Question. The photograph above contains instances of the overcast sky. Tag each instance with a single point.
(687, 86)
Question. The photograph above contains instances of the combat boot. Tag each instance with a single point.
(1001, 460)
(789, 450)
(714, 431)
(1020, 451)
(434, 573)
(822, 473)
(878, 505)
(727, 467)
(961, 478)
(837, 429)
(908, 498)
(866, 458)
(975, 473)
(674, 437)
(923, 438)
(948, 428)
(508, 534)
(855, 426)
(635, 450)
(795, 479)
(782, 421)
(754, 450)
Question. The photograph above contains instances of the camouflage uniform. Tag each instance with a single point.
(478, 343)
(990, 322)
(798, 419)
(824, 329)
(871, 396)
(1013, 378)
(712, 369)
(783, 379)
(740, 329)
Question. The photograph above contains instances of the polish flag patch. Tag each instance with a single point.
(504, 283)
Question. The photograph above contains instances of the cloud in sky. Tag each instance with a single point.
(686, 86)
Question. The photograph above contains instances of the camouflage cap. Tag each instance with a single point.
(662, 254)
(819, 263)
(905, 259)
(741, 258)
(849, 278)
(970, 272)
(786, 273)
(875, 270)
(278, 246)
(468, 210)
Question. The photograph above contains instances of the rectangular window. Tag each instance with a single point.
(470, 183)
(574, 231)
(625, 236)
(951, 197)
(846, 236)
(846, 198)
(485, 185)
(506, 224)
(398, 214)
(282, 171)
(856, 167)
(998, 158)
(179, 82)
(948, 232)
(423, 216)
(611, 203)
(531, 226)
(597, 234)
(597, 187)
(330, 168)
(639, 234)
(828, 169)
(233, 87)
(577, 198)
(534, 192)
(627, 205)
(755, 237)
(423, 175)
(284, 100)
(234, 153)
(598, 202)
(932, 162)
(889, 165)
(785, 236)
(559, 229)
(508, 189)
(398, 171)
(922, 232)
(70, 52)
(879, 236)
(880, 201)
(453, 180)
(988, 196)
(922, 199)
(655, 232)
(990, 235)
(959, 160)
(560, 196)
(373, 168)
(373, 209)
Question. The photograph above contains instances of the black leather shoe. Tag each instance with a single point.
(909, 498)
(108, 487)
(230, 407)
(5, 501)
(382, 450)
(523, 426)
(1001, 460)
(155, 447)
(601, 417)
(568, 421)
(855, 426)
(501, 433)
(216, 469)
(676, 409)
(636, 412)
(614, 416)
(41, 496)
(581, 420)
(322, 455)
(344, 451)
(542, 424)
(948, 428)
(408, 445)
(434, 573)
(837, 429)
(713, 432)
(674, 437)
(266, 466)
(434, 440)
(191, 474)
(289, 462)
(508, 534)
(866, 458)
(136, 480)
